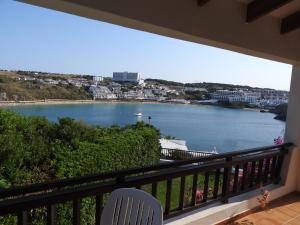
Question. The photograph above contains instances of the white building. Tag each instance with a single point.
(97, 78)
(148, 94)
(115, 87)
(101, 92)
(173, 144)
(236, 96)
(51, 81)
(134, 94)
(126, 77)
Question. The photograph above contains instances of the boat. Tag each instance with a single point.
(138, 114)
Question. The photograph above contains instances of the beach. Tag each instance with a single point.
(70, 102)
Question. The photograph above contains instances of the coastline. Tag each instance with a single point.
(76, 102)
(73, 102)
(4, 104)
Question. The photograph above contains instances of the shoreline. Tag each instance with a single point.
(4, 104)
(74, 102)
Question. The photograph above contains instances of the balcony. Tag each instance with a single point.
(181, 186)
(285, 210)
(248, 27)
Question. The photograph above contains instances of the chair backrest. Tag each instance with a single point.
(130, 206)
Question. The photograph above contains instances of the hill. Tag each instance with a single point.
(211, 87)
(25, 90)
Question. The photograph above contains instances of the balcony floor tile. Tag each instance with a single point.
(283, 211)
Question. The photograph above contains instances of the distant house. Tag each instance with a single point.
(134, 94)
(173, 144)
(115, 87)
(97, 78)
(51, 81)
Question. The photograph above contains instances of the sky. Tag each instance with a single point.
(34, 38)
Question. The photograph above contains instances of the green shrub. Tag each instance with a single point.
(36, 150)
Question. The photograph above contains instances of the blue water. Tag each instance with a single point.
(203, 127)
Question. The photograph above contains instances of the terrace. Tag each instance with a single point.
(220, 186)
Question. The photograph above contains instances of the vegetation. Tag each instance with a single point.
(164, 82)
(20, 90)
(211, 87)
(34, 150)
(197, 95)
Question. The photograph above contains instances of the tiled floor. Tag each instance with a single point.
(285, 210)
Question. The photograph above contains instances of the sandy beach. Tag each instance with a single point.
(69, 102)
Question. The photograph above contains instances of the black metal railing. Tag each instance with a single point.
(180, 186)
(177, 154)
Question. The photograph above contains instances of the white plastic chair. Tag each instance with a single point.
(129, 206)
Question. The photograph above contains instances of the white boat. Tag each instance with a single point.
(138, 114)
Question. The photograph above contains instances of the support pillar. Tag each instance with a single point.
(291, 170)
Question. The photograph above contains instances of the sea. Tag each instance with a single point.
(204, 128)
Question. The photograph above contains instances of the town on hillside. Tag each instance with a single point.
(126, 86)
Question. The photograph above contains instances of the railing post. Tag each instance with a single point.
(226, 181)
(154, 189)
(279, 163)
(51, 213)
(168, 196)
(217, 182)
(181, 195)
(236, 178)
(99, 207)
(245, 176)
(23, 218)
(76, 211)
(205, 190)
(194, 189)
(259, 173)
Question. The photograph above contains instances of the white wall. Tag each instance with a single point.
(291, 166)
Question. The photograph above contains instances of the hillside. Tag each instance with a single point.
(209, 86)
(25, 90)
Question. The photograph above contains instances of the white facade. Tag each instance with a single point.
(101, 92)
(173, 144)
(126, 77)
(236, 96)
(97, 78)
(134, 94)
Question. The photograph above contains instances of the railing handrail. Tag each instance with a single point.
(20, 204)
(21, 190)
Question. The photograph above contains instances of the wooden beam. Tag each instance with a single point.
(259, 8)
(202, 2)
(290, 23)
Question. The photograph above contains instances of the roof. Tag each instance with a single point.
(173, 144)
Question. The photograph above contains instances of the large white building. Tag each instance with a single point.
(236, 96)
(126, 77)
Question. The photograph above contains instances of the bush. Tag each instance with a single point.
(36, 150)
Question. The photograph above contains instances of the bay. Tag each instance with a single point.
(203, 127)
